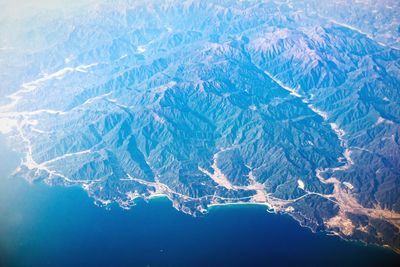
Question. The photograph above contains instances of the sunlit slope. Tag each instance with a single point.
(210, 103)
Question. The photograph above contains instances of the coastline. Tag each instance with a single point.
(210, 207)
(154, 229)
(217, 206)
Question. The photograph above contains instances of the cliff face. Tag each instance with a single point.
(214, 102)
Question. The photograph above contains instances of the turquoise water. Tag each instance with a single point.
(56, 226)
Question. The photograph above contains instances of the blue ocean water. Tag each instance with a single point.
(56, 226)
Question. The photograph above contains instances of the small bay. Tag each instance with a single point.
(58, 226)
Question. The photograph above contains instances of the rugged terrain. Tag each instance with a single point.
(293, 105)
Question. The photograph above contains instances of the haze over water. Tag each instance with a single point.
(56, 226)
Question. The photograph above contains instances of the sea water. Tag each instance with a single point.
(59, 226)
